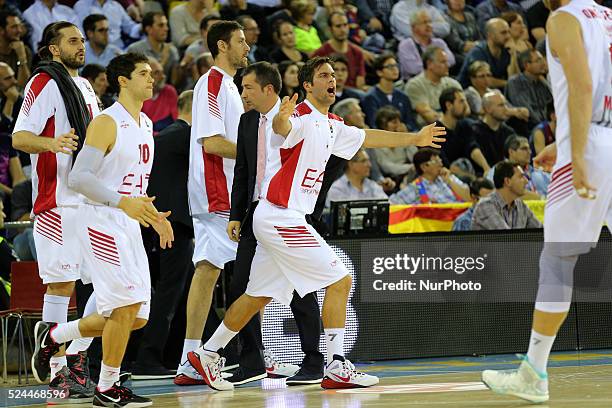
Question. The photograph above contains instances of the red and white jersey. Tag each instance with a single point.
(216, 110)
(313, 138)
(43, 113)
(596, 24)
(126, 168)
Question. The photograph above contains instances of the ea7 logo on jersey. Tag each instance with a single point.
(311, 179)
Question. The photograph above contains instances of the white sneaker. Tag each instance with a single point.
(275, 369)
(341, 373)
(209, 366)
(187, 375)
(525, 382)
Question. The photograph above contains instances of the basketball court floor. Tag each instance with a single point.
(578, 380)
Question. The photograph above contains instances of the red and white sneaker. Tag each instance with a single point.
(187, 375)
(276, 369)
(209, 366)
(341, 373)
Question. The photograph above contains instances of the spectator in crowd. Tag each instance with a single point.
(13, 50)
(497, 51)
(503, 209)
(530, 89)
(517, 150)
(355, 183)
(385, 93)
(489, 9)
(289, 76)
(168, 183)
(162, 107)
(96, 75)
(356, 34)
(97, 48)
(118, 19)
(544, 133)
(16, 7)
(480, 187)
(351, 112)
(10, 98)
(434, 184)
(306, 35)
(536, 15)
(235, 8)
(400, 18)
(339, 44)
(454, 110)
(464, 30)
(424, 89)
(185, 21)
(197, 48)
(44, 12)
(155, 25)
(519, 34)
(251, 35)
(341, 68)
(375, 15)
(284, 36)
(395, 162)
(488, 136)
(21, 207)
(203, 64)
(480, 76)
(411, 49)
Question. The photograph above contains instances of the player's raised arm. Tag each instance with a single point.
(281, 124)
(430, 135)
(101, 136)
(566, 43)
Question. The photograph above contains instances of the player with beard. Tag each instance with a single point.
(43, 129)
(580, 193)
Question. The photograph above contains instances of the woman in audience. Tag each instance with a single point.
(185, 20)
(289, 74)
(306, 35)
(464, 30)
(284, 36)
(518, 31)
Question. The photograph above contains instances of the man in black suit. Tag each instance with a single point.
(261, 84)
(168, 183)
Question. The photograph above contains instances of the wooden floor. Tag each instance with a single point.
(578, 380)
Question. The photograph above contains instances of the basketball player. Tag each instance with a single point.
(216, 112)
(43, 129)
(580, 194)
(112, 173)
(290, 254)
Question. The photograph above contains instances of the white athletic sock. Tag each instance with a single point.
(64, 332)
(539, 350)
(82, 344)
(108, 377)
(55, 309)
(189, 345)
(220, 338)
(334, 339)
(56, 364)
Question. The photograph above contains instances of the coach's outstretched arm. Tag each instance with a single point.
(430, 135)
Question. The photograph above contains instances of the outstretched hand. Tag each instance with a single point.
(287, 107)
(430, 136)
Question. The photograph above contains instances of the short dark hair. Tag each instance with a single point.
(4, 16)
(385, 115)
(91, 71)
(338, 58)
(513, 142)
(503, 170)
(422, 156)
(221, 31)
(307, 71)
(241, 19)
(149, 19)
(265, 74)
(429, 54)
(207, 19)
(379, 62)
(123, 65)
(89, 24)
(51, 36)
(479, 183)
(332, 14)
(448, 95)
(524, 57)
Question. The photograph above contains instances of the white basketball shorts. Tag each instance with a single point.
(211, 241)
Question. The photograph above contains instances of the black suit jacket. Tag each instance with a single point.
(168, 179)
(245, 172)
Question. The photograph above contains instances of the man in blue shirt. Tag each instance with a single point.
(97, 49)
(480, 187)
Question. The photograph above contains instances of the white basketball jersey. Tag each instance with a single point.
(596, 25)
(127, 167)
